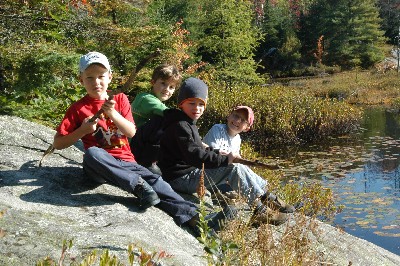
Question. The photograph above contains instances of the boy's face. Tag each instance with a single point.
(96, 79)
(193, 108)
(237, 122)
(164, 88)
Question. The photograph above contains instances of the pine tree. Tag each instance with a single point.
(279, 50)
(390, 14)
(351, 32)
(226, 38)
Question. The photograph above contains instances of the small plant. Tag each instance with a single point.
(320, 50)
(140, 257)
(218, 251)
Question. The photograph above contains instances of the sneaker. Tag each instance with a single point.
(227, 198)
(224, 195)
(264, 214)
(147, 196)
(217, 220)
(276, 203)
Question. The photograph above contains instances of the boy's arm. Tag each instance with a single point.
(64, 141)
(205, 145)
(193, 152)
(210, 139)
(127, 127)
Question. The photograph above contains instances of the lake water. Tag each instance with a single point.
(363, 172)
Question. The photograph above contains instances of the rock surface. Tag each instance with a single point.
(42, 206)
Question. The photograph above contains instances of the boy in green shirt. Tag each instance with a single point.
(147, 110)
(146, 105)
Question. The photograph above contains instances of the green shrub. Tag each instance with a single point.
(396, 104)
(43, 85)
(282, 115)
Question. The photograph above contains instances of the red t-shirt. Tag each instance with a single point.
(106, 135)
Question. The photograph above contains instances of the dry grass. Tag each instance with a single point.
(292, 243)
(355, 87)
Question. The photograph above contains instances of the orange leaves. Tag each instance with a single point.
(179, 53)
(2, 231)
(78, 3)
(201, 190)
(320, 49)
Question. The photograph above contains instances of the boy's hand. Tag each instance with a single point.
(87, 126)
(232, 157)
(205, 146)
(109, 107)
(222, 152)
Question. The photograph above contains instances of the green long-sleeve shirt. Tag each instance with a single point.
(145, 106)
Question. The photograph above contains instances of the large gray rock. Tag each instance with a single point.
(42, 206)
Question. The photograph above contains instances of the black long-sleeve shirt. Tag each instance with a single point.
(181, 147)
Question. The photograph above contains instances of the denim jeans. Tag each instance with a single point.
(101, 167)
(240, 177)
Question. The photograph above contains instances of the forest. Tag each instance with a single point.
(235, 46)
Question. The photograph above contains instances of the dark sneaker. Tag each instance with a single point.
(276, 203)
(264, 214)
(227, 198)
(147, 196)
(217, 220)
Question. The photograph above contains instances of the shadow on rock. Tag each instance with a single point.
(63, 186)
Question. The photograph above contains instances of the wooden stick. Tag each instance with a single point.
(99, 112)
(257, 164)
(138, 67)
(49, 150)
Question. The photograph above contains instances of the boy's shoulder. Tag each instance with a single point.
(85, 100)
(176, 117)
(221, 127)
(145, 97)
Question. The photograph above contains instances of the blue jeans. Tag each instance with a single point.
(101, 167)
(240, 177)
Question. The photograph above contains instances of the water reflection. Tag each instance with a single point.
(363, 171)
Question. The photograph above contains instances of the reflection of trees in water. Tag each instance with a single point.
(384, 129)
(382, 165)
(363, 171)
(387, 170)
(392, 124)
(393, 130)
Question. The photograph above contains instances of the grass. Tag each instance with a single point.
(369, 87)
(240, 243)
(136, 256)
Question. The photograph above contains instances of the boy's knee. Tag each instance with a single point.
(236, 167)
(93, 153)
(93, 156)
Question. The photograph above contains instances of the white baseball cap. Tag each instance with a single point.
(92, 58)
